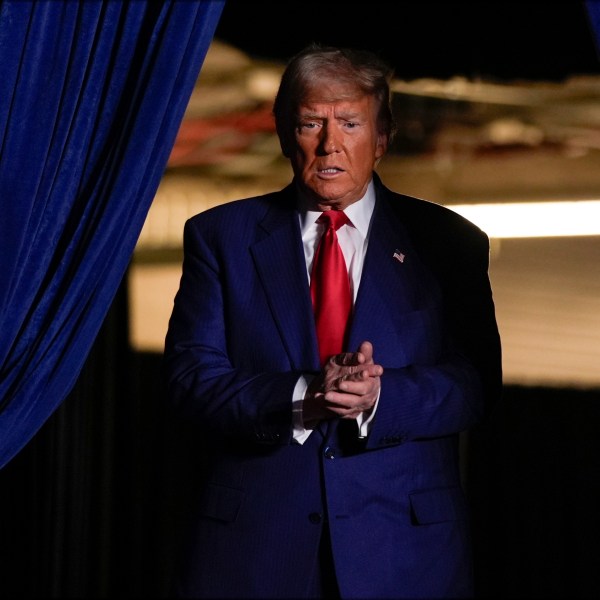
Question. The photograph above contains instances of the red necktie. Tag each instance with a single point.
(329, 287)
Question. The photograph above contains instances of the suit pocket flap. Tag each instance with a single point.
(438, 505)
(220, 502)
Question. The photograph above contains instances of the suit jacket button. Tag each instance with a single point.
(315, 518)
(329, 453)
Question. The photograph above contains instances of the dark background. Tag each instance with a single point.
(501, 40)
(91, 507)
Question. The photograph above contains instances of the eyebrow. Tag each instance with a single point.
(345, 115)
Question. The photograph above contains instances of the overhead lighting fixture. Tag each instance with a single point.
(534, 219)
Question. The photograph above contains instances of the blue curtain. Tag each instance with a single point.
(92, 93)
(593, 12)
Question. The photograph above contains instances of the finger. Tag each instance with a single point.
(348, 378)
(366, 350)
(361, 395)
(354, 393)
(346, 359)
(361, 374)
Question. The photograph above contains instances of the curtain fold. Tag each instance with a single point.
(92, 94)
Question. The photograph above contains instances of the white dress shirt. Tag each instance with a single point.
(353, 239)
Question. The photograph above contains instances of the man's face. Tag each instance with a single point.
(336, 145)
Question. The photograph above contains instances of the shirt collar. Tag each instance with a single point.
(358, 212)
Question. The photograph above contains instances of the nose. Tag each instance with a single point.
(330, 141)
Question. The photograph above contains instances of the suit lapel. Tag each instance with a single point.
(279, 260)
(387, 283)
(390, 283)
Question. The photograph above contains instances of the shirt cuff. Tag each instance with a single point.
(365, 423)
(301, 430)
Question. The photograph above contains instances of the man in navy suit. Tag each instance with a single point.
(336, 478)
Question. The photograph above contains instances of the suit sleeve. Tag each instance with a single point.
(204, 385)
(460, 387)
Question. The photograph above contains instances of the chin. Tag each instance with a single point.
(329, 193)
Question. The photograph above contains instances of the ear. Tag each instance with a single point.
(382, 144)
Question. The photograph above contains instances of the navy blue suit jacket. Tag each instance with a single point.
(241, 333)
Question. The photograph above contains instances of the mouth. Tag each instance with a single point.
(330, 171)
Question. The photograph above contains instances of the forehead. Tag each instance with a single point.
(324, 101)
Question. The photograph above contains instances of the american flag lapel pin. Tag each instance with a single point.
(399, 256)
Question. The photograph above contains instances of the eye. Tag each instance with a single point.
(304, 125)
(350, 124)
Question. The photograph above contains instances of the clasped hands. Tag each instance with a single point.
(348, 385)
